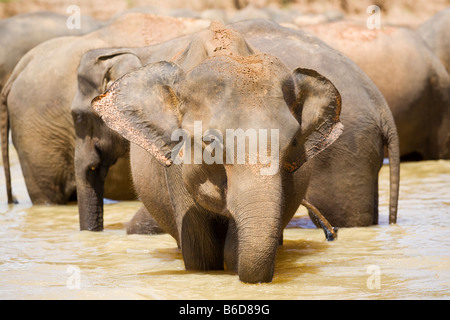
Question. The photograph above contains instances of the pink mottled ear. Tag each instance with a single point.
(142, 108)
(317, 108)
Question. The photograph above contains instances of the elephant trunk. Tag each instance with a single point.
(90, 207)
(256, 210)
(90, 180)
(258, 242)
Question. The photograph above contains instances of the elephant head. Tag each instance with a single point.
(97, 147)
(233, 98)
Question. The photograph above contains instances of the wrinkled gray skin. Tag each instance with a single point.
(413, 80)
(22, 32)
(435, 32)
(231, 213)
(36, 103)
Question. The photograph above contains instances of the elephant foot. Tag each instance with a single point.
(143, 223)
(14, 200)
(320, 220)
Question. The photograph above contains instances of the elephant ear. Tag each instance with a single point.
(317, 107)
(143, 108)
(114, 63)
(100, 67)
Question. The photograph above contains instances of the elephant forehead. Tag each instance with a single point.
(249, 73)
(253, 67)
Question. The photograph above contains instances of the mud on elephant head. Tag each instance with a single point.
(225, 212)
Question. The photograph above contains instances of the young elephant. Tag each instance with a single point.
(97, 147)
(221, 204)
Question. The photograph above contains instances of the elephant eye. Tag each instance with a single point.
(294, 142)
(79, 118)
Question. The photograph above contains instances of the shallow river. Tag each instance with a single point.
(43, 255)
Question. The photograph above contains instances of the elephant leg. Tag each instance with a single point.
(201, 232)
(151, 188)
(202, 240)
(45, 148)
(47, 178)
(345, 206)
(143, 223)
(344, 189)
(231, 247)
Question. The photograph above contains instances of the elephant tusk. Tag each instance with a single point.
(330, 231)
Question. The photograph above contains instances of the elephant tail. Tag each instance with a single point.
(391, 140)
(330, 231)
(4, 136)
(4, 120)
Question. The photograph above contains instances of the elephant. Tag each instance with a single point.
(97, 148)
(98, 69)
(252, 91)
(412, 79)
(22, 32)
(36, 104)
(222, 213)
(435, 33)
(354, 204)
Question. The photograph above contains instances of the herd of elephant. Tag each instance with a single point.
(91, 113)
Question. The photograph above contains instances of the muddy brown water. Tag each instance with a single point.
(43, 255)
